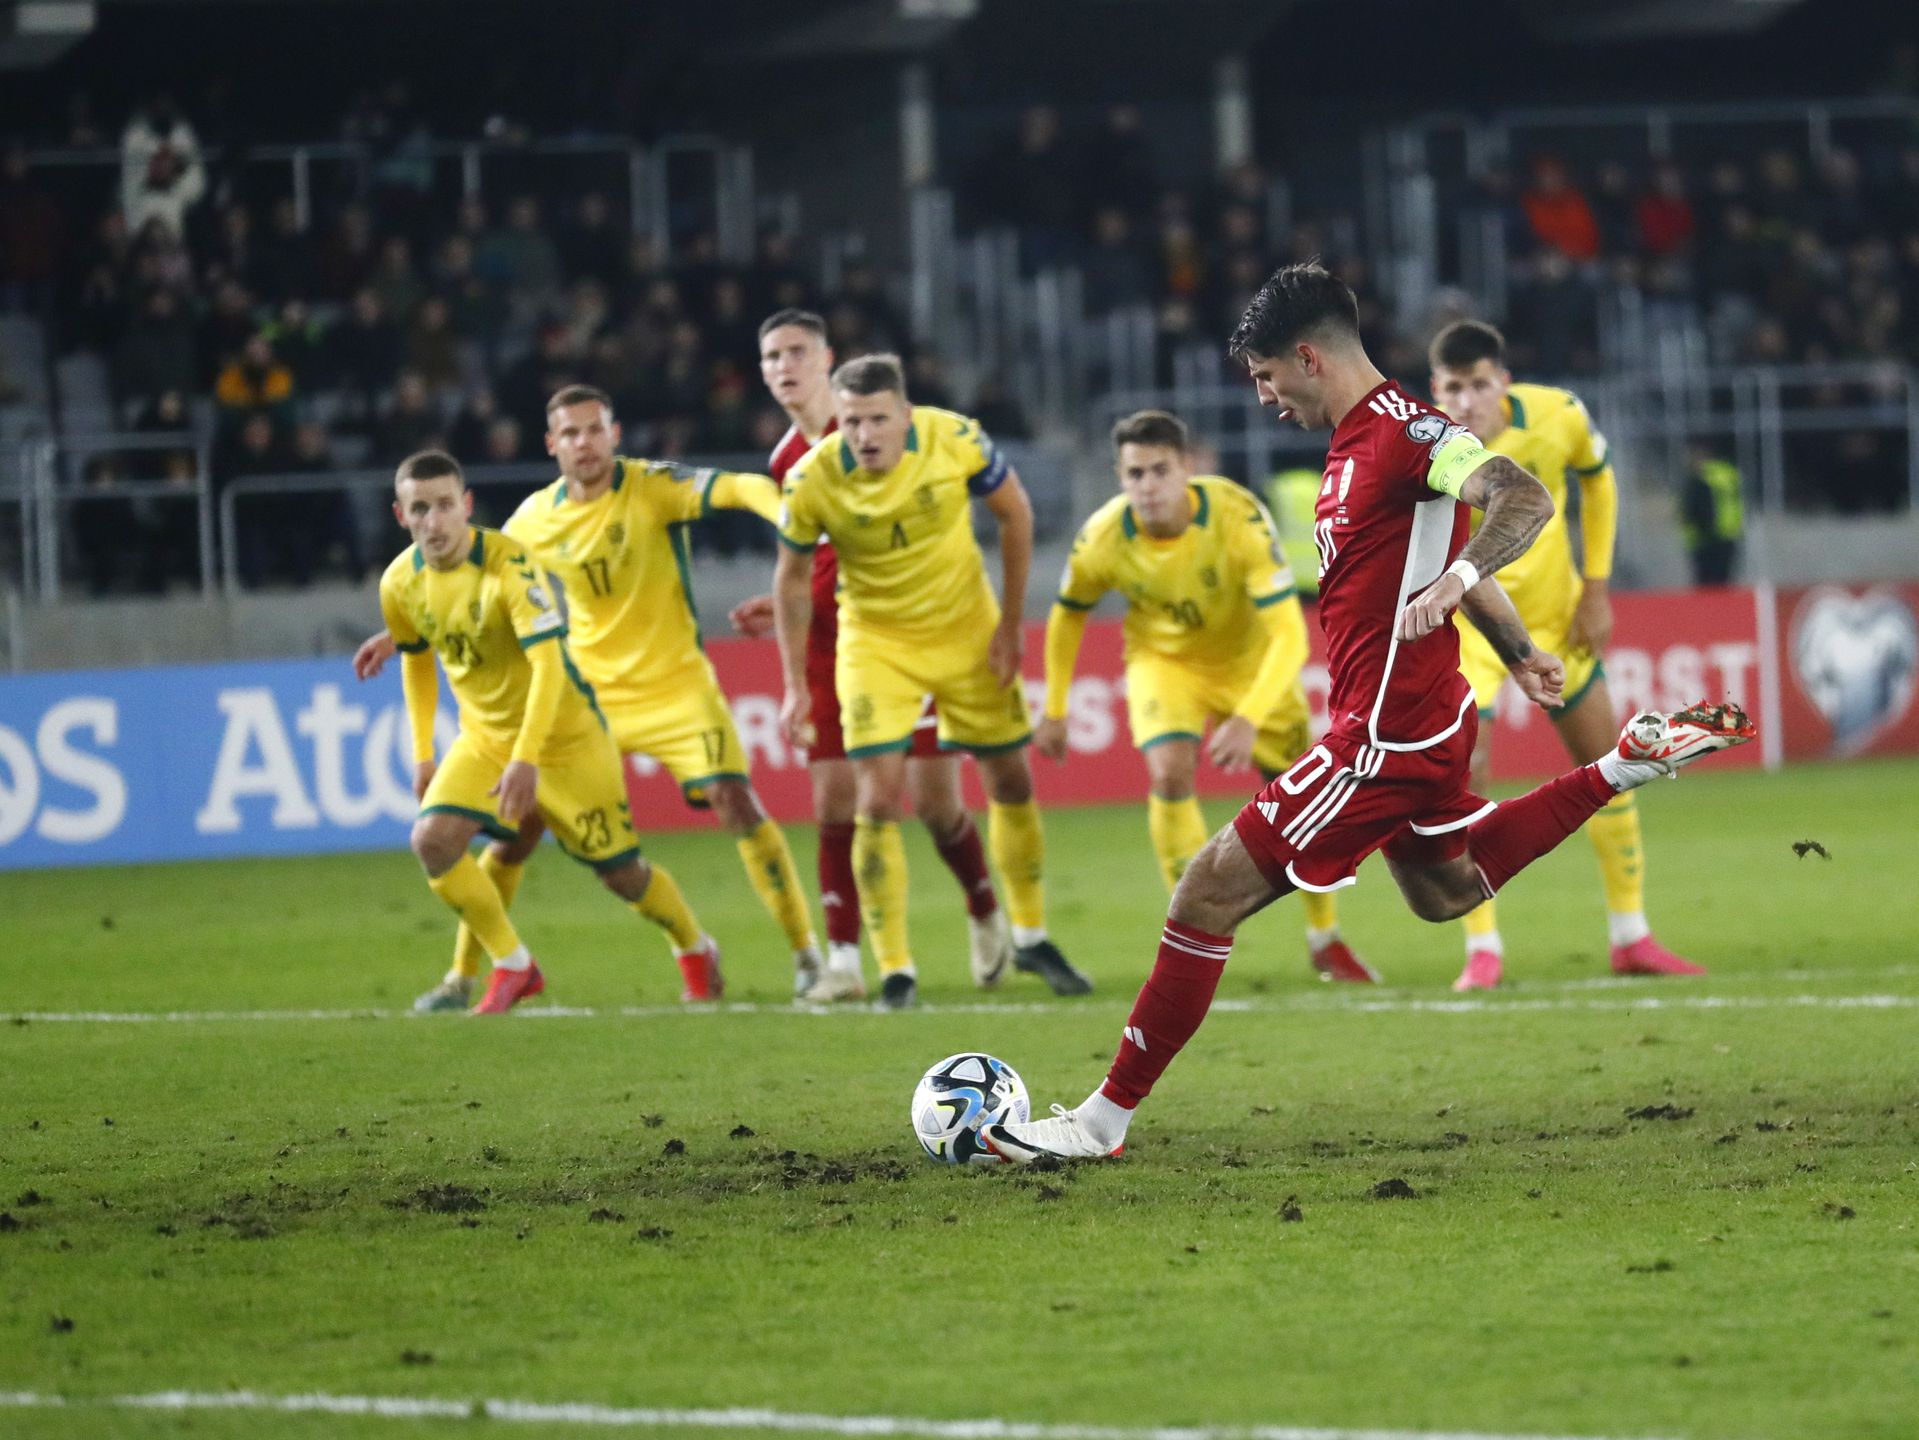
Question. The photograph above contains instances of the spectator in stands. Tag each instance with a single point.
(732, 330)
(1662, 216)
(433, 351)
(233, 253)
(1032, 183)
(592, 246)
(1120, 158)
(1613, 210)
(1561, 219)
(587, 315)
(410, 422)
(926, 379)
(777, 282)
(1182, 263)
(299, 341)
(1780, 200)
(225, 329)
(475, 308)
(395, 282)
(505, 442)
(157, 353)
(520, 255)
(33, 230)
(468, 434)
(287, 265)
(364, 351)
(346, 256)
(1840, 201)
(1116, 272)
(255, 383)
(161, 173)
(524, 388)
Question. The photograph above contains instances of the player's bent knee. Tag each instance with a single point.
(1008, 779)
(437, 845)
(734, 802)
(628, 881)
(1222, 887)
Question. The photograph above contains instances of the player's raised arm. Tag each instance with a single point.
(1013, 512)
(742, 490)
(1539, 674)
(1517, 508)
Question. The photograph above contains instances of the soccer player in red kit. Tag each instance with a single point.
(795, 362)
(1391, 772)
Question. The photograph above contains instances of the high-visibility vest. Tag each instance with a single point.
(1721, 479)
(1293, 497)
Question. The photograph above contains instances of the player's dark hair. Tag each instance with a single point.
(429, 465)
(579, 395)
(871, 375)
(1152, 427)
(1296, 301)
(1464, 343)
(805, 319)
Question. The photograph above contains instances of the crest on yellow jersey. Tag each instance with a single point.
(616, 533)
(1209, 577)
(473, 611)
(925, 497)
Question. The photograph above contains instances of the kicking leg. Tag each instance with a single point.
(1220, 889)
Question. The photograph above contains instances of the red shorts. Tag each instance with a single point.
(1344, 798)
(829, 743)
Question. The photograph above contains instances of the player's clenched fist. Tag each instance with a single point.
(1049, 738)
(753, 618)
(1004, 652)
(370, 659)
(1428, 610)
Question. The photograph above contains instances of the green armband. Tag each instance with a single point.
(1454, 458)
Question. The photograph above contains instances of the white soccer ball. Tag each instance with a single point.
(956, 1097)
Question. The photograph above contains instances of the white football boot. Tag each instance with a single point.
(1667, 742)
(807, 969)
(989, 948)
(1061, 1136)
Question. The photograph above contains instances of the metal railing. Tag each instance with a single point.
(661, 182)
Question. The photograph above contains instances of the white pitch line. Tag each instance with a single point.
(1303, 1005)
(530, 1412)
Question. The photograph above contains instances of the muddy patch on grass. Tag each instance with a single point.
(1660, 1112)
(1393, 1189)
(444, 1199)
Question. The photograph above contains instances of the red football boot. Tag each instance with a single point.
(700, 969)
(508, 988)
(1646, 956)
(1335, 961)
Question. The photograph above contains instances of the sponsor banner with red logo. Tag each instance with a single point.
(1669, 649)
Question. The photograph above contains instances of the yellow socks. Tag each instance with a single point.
(1322, 916)
(1615, 836)
(662, 903)
(466, 947)
(1018, 847)
(1482, 928)
(769, 866)
(1178, 830)
(472, 897)
(879, 865)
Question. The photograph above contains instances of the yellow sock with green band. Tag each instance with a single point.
(663, 904)
(1178, 830)
(467, 890)
(879, 866)
(769, 867)
(466, 947)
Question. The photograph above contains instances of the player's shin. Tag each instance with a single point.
(1520, 831)
(663, 904)
(1614, 832)
(879, 862)
(470, 894)
(966, 858)
(770, 868)
(1018, 843)
(1169, 1009)
(505, 875)
(1179, 832)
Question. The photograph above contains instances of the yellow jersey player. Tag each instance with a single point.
(531, 742)
(1214, 635)
(892, 491)
(613, 531)
(1564, 604)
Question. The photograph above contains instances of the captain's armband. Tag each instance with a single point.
(1456, 455)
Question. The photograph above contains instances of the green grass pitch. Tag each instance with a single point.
(1674, 1208)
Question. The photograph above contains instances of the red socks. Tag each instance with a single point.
(839, 891)
(966, 858)
(1169, 1009)
(1520, 831)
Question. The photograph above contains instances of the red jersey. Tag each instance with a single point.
(1383, 536)
(826, 567)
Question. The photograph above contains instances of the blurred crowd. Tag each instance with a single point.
(390, 323)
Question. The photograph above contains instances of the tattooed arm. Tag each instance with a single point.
(1539, 675)
(1517, 508)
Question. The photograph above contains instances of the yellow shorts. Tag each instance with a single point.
(1169, 701)
(581, 796)
(883, 681)
(689, 730)
(1548, 618)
